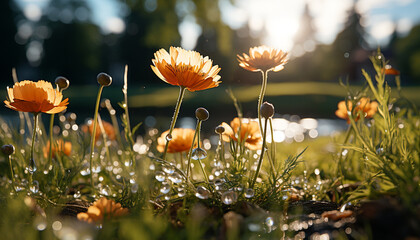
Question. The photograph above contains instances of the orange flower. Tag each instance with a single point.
(364, 105)
(60, 148)
(185, 68)
(250, 132)
(35, 97)
(102, 209)
(389, 70)
(109, 129)
(182, 139)
(263, 58)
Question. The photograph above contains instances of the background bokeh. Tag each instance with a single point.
(328, 40)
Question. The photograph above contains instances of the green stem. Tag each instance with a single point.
(92, 142)
(191, 149)
(273, 144)
(340, 159)
(51, 139)
(222, 153)
(262, 154)
(198, 146)
(12, 174)
(261, 97)
(177, 107)
(126, 107)
(32, 160)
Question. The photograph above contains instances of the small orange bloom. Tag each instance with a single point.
(389, 70)
(182, 139)
(263, 58)
(59, 148)
(364, 105)
(185, 68)
(35, 97)
(109, 130)
(250, 132)
(102, 209)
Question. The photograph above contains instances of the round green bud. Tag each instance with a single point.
(8, 149)
(104, 79)
(201, 114)
(267, 110)
(62, 82)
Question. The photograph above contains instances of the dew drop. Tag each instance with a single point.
(165, 188)
(168, 137)
(229, 197)
(168, 168)
(160, 176)
(134, 188)
(106, 190)
(269, 221)
(77, 194)
(34, 187)
(181, 192)
(31, 168)
(175, 177)
(199, 154)
(202, 192)
(249, 193)
(380, 151)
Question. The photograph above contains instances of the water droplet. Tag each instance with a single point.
(77, 194)
(31, 168)
(160, 176)
(202, 192)
(168, 137)
(85, 171)
(344, 152)
(168, 168)
(152, 167)
(181, 192)
(175, 177)
(165, 188)
(249, 193)
(106, 190)
(380, 151)
(229, 197)
(34, 187)
(199, 154)
(269, 221)
(134, 188)
(317, 172)
(40, 223)
(219, 181)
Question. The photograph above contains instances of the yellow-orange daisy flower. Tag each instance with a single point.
(35, 97)
(187, 69)
(61, 147)
(263, 58)
(250, 133)
(182, 139)
(109, 130)
(102, 209)
(363, 105)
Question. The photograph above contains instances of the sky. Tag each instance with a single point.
(279, 18)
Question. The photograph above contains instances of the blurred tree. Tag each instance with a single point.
(304, 40)
(150, 25)
(348, 51)
(12, 52)
(408, 55)
(73, 49)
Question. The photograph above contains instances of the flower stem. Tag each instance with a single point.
(51, 139)
(273, 143)
(177, 107)
(32, 165)
(93, 136)
(261, 97)
(12, 174)
(191, 149)
(198, 146)
(262, 154)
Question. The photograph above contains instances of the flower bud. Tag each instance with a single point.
(62, 82)
(104, 79)
(201, 114)
(219, 129)
(267, 110)
(8, 149)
